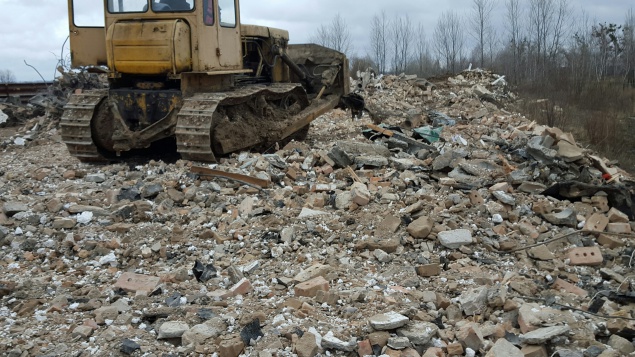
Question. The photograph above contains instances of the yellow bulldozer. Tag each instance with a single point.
(190, 71)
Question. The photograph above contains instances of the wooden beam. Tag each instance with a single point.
(248, 180)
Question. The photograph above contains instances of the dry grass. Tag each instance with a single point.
(598, 116)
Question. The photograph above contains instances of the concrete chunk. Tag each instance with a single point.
(455, 239)
(388, 321)
(12, 208)
(542, 335)
(421, 227)
(419, 333)
(172, 329)
(502, 347)
(474, 301)
(329, 341)
(137, 282)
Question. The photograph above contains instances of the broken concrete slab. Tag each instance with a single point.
(542, 335)
(455, 239)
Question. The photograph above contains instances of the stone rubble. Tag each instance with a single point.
(489, 235)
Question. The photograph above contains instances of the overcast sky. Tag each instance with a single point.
(34, 30)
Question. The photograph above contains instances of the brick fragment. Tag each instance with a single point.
(364, 348)
(560, 284)
(596, 223)
(608, 241)
(429, 270)
(619, 228)
(534, 351)
(470, 336)
(133, 283)
(360, 194)
(231, 347)
(455, 349)
(476, 199)
(242, 287)
(329, 298)
(617, 216)
(82, 331)
(311, 287)
(306, 346)
(585, 256)
(421, 227)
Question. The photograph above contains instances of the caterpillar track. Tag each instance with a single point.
(208, 125)
(76, 125)
(211, 124)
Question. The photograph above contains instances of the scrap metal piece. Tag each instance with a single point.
(413, 145)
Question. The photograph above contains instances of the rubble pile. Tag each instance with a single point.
(49, 103)
(13, 113)
(456, 228)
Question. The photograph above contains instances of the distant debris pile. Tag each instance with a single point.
(51, 98)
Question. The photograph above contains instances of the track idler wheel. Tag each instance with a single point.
(102, 129)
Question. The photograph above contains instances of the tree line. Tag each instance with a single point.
(529, 41)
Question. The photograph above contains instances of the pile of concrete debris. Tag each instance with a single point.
(49, 103)
(455, 228)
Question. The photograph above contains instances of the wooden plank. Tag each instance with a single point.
(380, 130)
(248, 180)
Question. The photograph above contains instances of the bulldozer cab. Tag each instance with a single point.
(156, 37)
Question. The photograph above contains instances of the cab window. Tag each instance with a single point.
(209, 12)
(125, 6)
(85, 14)
(227, 11)
(172, 5)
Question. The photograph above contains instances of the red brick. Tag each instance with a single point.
(609, 241)
(301, 190)
(136, 282)
(455, 349)
(470, 337)
(231, 347)
(433, 352)
(327, 169)
(476, 198)
(601, 203)
(364, 348)
(242, 287)
(596, 223)
(617, 216)
(292, 173)
(619, 228)
(306, 346)
(311, 287)
(392, 353)
(560, 284)
(585, 256)
(534, 351)
(360, 194)
(429, 270)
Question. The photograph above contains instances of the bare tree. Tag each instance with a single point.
(514, 29)
(579, 55)
(548, 26)
(379, 40)
(449, 39)
(540, 18)
(336, 35)
(629, 40)
(422, 59)
(361, 64)
(561, 25)
(402, 33)
(481, 23)
(6, 77)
